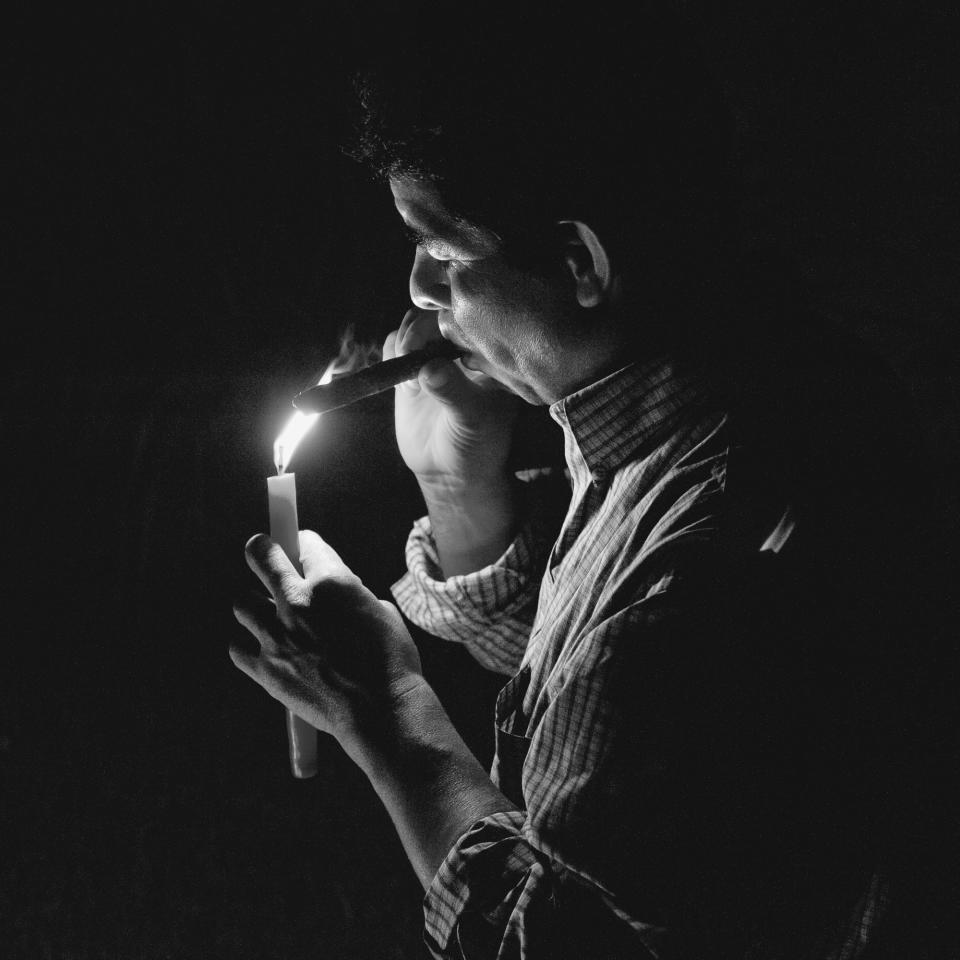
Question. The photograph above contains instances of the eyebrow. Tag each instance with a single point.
(425, 229)
(444, 245)
(419, 236)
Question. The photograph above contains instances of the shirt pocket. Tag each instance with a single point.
(512, 742)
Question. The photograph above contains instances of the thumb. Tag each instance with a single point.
(446, 382)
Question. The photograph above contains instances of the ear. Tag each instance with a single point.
(589, 264)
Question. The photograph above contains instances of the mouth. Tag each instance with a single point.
(448, 332)
(469, 359)
(446, 328)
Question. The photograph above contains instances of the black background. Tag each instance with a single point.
(185, 242)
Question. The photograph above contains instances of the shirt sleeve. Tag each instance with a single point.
(660, 784)
(466, 921)
(552, 881)
(489, 611)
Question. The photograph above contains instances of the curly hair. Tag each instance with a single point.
(619, 125)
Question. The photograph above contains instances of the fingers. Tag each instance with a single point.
(390, 345)
(244, 660)
(395, 337)
(445, 381)
(257, 615)
(418, 328)
(270, 563)
(320, 561)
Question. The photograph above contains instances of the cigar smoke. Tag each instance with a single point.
(352, 355)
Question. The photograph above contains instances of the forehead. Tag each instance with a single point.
(420, 205)
(418, 199)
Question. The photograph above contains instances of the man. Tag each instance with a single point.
(681, 768)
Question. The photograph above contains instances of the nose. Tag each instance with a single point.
(429, 289)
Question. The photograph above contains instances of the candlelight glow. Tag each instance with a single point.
(298, 426)
(351, 357)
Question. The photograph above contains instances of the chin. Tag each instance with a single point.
(524, 391)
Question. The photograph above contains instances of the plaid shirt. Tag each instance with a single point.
(598, 731)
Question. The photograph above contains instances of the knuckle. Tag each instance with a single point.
(291, 587)
(337, 587)
(300, 599)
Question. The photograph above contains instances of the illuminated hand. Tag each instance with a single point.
(454, 426)
(454, 429)
(329, 650)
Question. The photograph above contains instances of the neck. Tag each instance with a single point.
(586, 361)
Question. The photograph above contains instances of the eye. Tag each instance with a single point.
(435, 248)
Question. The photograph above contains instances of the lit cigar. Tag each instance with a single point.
(376, 378)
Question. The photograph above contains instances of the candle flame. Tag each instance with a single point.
(298, 426)
(352, 356)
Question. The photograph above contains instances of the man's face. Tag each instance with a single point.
(509, 322)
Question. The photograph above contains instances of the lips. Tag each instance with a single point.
(445, 327)
(448, 331)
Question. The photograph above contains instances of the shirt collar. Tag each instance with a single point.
(612, 418)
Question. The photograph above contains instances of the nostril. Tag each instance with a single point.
(428, 289)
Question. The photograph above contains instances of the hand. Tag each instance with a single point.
(329, 650)
(454, 426)
(343, 661)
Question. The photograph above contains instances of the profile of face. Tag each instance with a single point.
(533, 333)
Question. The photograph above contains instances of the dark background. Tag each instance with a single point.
(185, 242)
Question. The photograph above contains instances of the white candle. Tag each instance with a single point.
(284, 529)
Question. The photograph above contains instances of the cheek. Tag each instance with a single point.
(479, 307)
(489, 321)
(491, 286)
(507, 318)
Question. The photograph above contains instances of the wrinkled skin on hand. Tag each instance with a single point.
(329, 650)
(454, 425)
